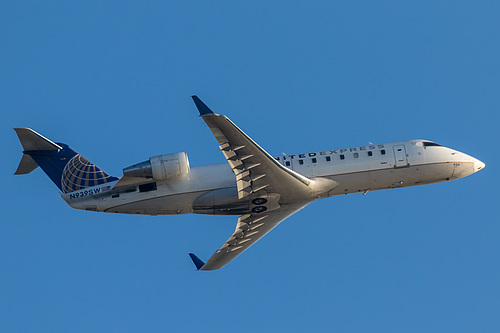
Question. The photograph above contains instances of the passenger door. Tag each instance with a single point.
(400, 156)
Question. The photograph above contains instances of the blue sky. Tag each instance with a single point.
(114, 81)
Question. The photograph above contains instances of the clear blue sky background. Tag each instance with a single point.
(114, 81)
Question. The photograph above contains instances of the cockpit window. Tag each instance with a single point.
(431, 144)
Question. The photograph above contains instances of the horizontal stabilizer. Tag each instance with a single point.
(26, 165)
(197, 261)
(31, 140)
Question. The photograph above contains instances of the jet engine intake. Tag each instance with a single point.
(161, 167)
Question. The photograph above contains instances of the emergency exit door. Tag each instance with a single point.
(400, 156)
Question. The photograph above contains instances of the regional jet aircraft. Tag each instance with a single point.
(261, 189)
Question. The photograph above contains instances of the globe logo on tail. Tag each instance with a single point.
(80, 173)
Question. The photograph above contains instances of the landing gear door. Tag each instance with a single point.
(400, 156)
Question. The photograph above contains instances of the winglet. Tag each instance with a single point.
(204, 110)
(197, 261)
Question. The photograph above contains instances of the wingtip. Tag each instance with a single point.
(202, 108)
(197, 261)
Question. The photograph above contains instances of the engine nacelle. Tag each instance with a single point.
(161, 167)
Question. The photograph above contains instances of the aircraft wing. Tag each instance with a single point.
(254, 168)
(275, 192)
(249, 229)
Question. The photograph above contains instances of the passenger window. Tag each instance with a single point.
(382, 152)
(370, 153)
(342, 157)
(301, 162)
(287, 163)
(356, 155)
(328, 159)
(314, 160)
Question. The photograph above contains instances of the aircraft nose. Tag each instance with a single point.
(478, 165)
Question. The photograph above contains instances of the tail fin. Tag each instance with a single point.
(65, 167)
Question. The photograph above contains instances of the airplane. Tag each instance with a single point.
(261, 189)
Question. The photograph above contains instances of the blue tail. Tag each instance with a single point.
(65, 167)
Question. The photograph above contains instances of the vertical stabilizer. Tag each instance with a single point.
(65, 167)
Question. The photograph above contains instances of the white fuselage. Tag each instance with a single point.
(211, 189)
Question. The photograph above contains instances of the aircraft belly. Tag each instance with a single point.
(161, 205)
(222, 201)
(399, 177)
